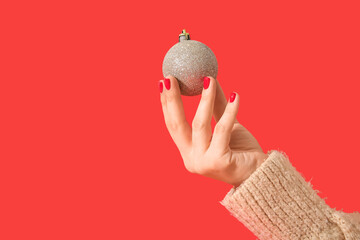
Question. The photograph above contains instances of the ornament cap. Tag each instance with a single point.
(184, 36)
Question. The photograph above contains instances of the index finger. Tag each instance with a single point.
(174, 114)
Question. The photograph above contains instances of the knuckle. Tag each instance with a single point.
(213, 166)
(206, 170)
(172, 126)
(220, 128)
(175, 126)
(202, 171)
(189, 167)
(198, 124)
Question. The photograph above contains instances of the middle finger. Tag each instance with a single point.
(201, 125)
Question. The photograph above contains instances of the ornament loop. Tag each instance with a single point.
(184, 36)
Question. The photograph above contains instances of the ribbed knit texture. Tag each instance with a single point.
(276, 202)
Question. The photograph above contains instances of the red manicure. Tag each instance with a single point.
(232, 97)
(161, 87)
(167, 83)
(206, 82)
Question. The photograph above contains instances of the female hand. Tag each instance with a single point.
(230, 154)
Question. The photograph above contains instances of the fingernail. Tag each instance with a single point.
(232, 97)
(206, 82)
(167, 83)
(161, 86)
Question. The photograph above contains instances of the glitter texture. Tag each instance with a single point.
(189, 62)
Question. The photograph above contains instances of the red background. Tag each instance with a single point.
(84, 149)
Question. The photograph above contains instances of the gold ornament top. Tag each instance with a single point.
(184, 35)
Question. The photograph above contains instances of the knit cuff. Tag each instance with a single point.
(275, 202)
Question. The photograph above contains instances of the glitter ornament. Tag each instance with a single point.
(189, 62)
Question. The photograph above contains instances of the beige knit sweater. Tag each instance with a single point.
(276, 202)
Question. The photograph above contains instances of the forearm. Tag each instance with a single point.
(275, 202)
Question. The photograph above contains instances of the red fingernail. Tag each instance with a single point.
(232, 97)
(167, 83)
(206, 82)
(161, 87)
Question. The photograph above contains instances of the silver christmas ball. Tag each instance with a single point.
(189, 62)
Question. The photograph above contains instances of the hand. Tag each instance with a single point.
(230, 154)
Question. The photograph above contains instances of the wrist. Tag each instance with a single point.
(258, 159)
(261, 159)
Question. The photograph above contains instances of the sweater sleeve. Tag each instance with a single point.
(276, 202)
